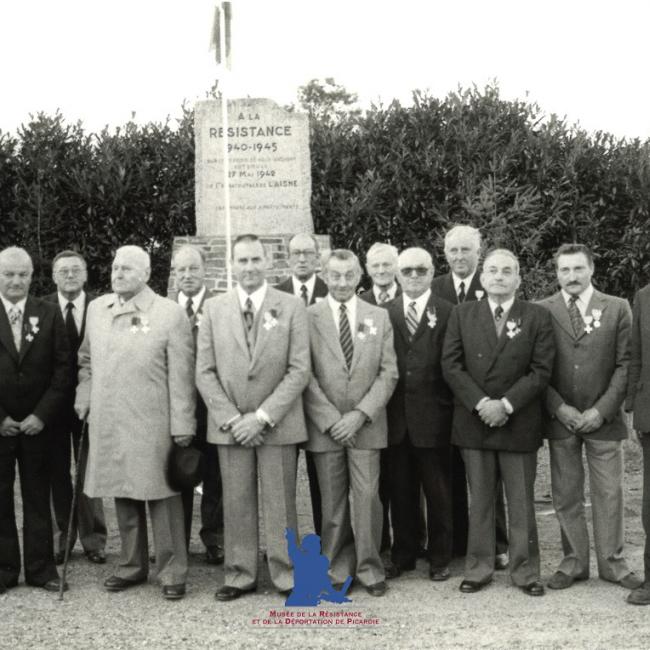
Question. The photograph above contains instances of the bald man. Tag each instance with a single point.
(34, 385)
(136, 379)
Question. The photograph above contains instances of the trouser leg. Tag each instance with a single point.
(134, 552)
(9, 545)
(239, 480)
(61, 488)
(459, 503)
(363, 468)
(567, 481)
(337, 541)
(212, 498)
(277, 470)
(518, 472)
(605, 460)
(645, 507)
(169, 540)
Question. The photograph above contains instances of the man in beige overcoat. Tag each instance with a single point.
(583, 408)
(251, 369)
(136, 386)
(354, 375)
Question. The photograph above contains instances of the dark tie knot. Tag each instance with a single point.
(342, 308)
(70, 306)
(498, 313)
(573, 299)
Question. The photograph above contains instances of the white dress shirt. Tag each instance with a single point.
(78, 312)
(391, 291)
(506, 306)
(196, 300)
(257, 297)
(310, 284)
(420, 303)
(468, 282)
(10, 305)
(351, 311)
(583, 299)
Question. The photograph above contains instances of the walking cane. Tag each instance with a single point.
(73, 507)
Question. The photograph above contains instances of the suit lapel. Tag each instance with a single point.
(513, 315)
(560, 313)
(270, 304)
(237, 323)
(359, 344)
(423, 325)
(485, 323)
(6, 335)
(31, 312)
(598, 303)
(476, 286)
(324, 322)
(397, 307)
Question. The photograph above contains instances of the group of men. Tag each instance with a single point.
(402, 396)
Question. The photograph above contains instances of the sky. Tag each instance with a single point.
(103, 62)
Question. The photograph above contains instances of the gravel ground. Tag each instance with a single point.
(415, 613)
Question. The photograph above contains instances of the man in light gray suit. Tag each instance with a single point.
(252, 367)
(583, 406)
(354, 375)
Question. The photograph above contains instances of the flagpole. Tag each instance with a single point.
(224, 141)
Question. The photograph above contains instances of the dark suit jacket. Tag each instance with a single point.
(638, 381)
(369, 296)
(590, 370)
(422, 404)
(38, 379)
(443, 286)
(476, 364)
(320, 289)
(54, 297)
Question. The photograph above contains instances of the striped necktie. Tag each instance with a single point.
(16, 322)
(383, 297)
(412, 318)
(345, 335)
(574, 315)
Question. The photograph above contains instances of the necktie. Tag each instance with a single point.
(383, 297)
(574, 315)
(304, 295)
(71, 326)
(189, 308)
(461, 292)
(498, 319)
(249, 314)
(412, 319)
(345, 335)
(15, 320)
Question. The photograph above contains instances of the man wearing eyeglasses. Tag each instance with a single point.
(189, 270)
(462, 284)
(497, 358)
(306, 285)
(69, 274)
(419, 421)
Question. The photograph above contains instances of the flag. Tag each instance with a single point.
(215, 42)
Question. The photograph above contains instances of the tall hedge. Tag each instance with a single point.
(391, 173)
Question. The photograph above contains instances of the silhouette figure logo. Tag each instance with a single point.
(311, 582)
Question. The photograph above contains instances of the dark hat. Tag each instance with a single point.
(185, 467)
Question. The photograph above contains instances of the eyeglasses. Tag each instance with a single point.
(420, 271)
(307, 254)
(75, 271)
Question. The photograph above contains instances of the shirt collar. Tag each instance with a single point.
(420, 302)
(506, 306)
(257, 297)
(467, 281)
(350, 306)
(584, 297)
(78, 302)
(391, 291)
(9, 305)
(310, 284)
(196, 300)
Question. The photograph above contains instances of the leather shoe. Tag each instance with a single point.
(227, 593)
(501, 561)
(96, 557)
(392, 570)
(378, 589)
(52, 585)
(173, 592)
(534, 588)
(630, 581)
(214, 554)
(560, 580)
(439, 574)
(640, 595)
(115, 583)
(471, 587)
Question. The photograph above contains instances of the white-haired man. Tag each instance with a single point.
(136, 383)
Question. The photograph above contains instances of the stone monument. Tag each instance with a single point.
(269, 182)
